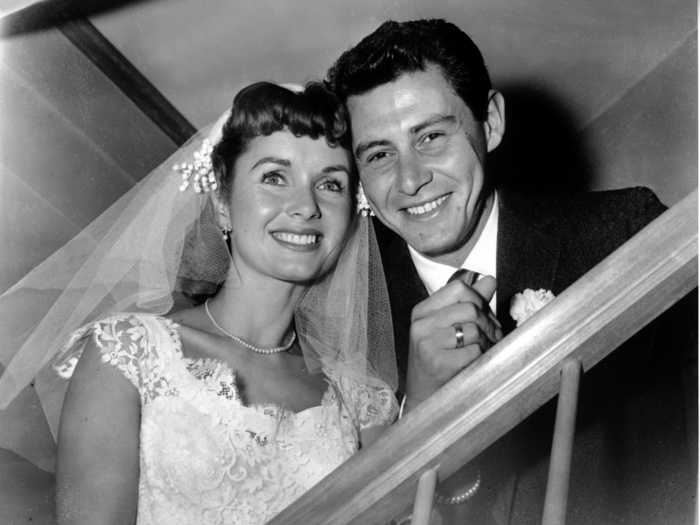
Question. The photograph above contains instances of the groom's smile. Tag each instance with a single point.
(421, 210)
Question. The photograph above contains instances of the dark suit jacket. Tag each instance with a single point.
(631, 443)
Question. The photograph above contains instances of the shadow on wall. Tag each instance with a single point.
(541, 151)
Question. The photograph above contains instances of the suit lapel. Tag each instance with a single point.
(527, 254)
(405, 291)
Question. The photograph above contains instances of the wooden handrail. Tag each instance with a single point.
(70, 19)
(622, 294)
(128, 79)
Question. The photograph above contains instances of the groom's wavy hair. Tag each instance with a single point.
(263, 108)
(399, 48)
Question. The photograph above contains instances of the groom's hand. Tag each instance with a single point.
(433, 357)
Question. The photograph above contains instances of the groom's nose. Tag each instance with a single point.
(412, 174)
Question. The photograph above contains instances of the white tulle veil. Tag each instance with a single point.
(145, 254)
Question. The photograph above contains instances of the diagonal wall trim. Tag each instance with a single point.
(604, 109)
(100, 51)
(16, 77)
(7, 172)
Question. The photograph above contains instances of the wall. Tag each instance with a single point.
(71, 144)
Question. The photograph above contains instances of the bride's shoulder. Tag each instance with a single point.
(117, 337)
(135, 326)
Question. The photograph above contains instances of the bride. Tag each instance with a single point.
(226, 411)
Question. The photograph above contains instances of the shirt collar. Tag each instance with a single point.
(482, 258)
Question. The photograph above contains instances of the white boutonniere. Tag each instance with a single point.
(525, 305)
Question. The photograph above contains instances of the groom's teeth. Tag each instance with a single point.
(296, 239)
(425, 208)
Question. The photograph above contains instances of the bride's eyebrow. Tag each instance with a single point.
(272, 160)
(337, 167)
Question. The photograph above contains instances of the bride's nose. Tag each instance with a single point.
(303, 204)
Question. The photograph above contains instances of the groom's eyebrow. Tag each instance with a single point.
(273, 160)
(437, 119)
(432, 121)
(363, 147)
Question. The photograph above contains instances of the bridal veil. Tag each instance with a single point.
(149, 252)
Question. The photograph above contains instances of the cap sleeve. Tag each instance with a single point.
(122, 341)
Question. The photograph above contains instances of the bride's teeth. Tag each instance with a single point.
(296, 239)
(425, 208)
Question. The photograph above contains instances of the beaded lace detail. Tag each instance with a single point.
(206, 458)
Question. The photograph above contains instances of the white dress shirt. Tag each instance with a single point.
(482, 258)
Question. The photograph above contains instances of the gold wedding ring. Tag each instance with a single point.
(459, 334)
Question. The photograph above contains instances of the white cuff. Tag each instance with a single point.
(403, 403)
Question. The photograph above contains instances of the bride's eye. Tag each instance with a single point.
(331, 185)
(272, 178)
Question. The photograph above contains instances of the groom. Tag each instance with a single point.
(424, 118)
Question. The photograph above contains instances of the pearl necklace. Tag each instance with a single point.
(266, 351)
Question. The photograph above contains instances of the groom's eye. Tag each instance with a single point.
(377, 156)
(433, 138)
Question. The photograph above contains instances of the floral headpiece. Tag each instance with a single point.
(204, 179)
(363, 203)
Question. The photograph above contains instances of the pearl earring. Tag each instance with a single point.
(226, 231)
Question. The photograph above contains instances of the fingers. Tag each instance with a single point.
(456, 292)
(433, 354)
(472, 319)
(429, 370)
(430, 339)
(486, 287)
(455, 361)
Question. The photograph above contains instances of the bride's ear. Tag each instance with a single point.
(221, 211)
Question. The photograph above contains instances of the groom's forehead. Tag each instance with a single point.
(406, 93)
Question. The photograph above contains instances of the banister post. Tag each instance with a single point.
(562, 445)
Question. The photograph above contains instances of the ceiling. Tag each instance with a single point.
(584, 55)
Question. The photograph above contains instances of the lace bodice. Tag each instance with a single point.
(205, 457)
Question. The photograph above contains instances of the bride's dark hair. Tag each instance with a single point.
(264, 108)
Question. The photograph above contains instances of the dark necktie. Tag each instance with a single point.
(467, 276)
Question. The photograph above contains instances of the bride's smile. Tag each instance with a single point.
(305, 240)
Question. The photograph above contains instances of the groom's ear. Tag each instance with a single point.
(495, 123)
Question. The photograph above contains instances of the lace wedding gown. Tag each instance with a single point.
(206, 457)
